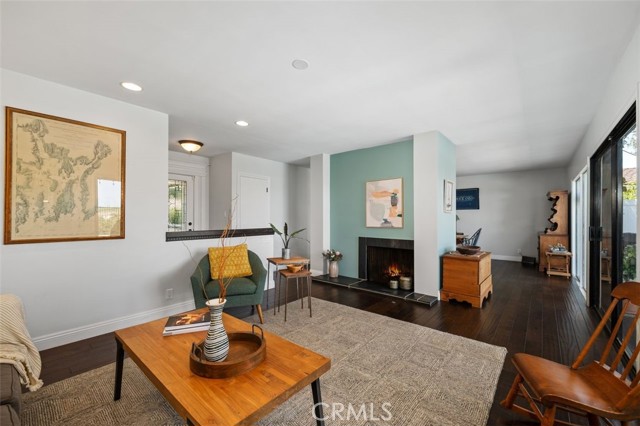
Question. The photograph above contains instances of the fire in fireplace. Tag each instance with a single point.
(393, 271)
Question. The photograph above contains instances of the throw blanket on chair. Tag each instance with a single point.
(16, 346)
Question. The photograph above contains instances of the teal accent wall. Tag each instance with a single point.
(349, 173)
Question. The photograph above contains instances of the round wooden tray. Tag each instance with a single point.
(246, 351)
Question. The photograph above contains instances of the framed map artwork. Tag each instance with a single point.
(384, 204)
(65, 179)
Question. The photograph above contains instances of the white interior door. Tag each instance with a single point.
(254, 201)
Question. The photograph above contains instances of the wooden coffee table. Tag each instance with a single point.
(242, 399)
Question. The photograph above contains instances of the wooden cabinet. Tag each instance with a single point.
(466, 278)
(558, 231)
(559, 218)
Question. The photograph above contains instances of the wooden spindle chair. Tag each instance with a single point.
(604, 388)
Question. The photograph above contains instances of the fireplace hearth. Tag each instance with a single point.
(376, 258)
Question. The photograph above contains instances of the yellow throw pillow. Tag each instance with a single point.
(232, 260)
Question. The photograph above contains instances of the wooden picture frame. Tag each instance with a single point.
(448, 196)
(64, 179)
(384, 203)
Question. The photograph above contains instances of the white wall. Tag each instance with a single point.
(282, 186)
(319, 214)
(75, 290)
(434, 231)
(513, 210)
(299, 207)
(220, 186)
(621, 92)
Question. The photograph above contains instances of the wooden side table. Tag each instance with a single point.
(287, 275)
(277, 262)
(559, 263)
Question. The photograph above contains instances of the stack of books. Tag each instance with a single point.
(187, 323)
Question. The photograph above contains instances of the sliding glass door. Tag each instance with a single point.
(602, 234)
(612, 234)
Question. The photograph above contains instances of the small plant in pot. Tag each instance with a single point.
(286, 238)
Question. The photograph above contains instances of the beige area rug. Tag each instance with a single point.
(384, 371)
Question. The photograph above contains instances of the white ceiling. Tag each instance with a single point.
(513, 84)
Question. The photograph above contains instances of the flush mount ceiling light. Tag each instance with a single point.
(300, 64)
(131, 86)
(189, 145)
(242, 123)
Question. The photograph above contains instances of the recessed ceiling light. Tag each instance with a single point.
(242, 123)
(131, 86)
(300, 64)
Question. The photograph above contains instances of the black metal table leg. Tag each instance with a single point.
(286, 296)
(309, 294)
(119, 364)
(317, 402)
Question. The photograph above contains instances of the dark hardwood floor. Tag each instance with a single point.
(528, 312)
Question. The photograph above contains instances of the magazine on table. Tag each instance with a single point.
(187, 323)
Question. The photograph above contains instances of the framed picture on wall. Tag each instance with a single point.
(65, 179)
(448, 196)
(384, 203)
(468, 199)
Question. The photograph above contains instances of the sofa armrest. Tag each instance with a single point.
(259, 274)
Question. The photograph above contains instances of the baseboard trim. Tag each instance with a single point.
(508, 258)
(64, 337)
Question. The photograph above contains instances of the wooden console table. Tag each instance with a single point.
(466, 278)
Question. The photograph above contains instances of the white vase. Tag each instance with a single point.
(333, 269)
(216, 344)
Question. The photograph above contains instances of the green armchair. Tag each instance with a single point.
(246, 291)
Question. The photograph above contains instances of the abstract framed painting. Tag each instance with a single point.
(384, 203)
(65, 179)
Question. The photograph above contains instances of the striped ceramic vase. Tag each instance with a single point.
(216, 345)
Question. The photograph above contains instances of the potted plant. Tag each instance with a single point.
(286, 238)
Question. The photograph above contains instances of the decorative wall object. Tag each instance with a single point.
(448, 196)
(65, 179)
(468, 199)
(384, 203)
